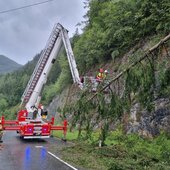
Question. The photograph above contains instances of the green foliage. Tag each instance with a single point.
(153, 16)
(12, 85)
(115, 54)
(108, 112)
(48, 93)
(82, 115)
(140, 82)
(83, 112)
(122, 152)
(62, 79)
(140, 87)
(71, 136)
(165, 82)
(10, 112)
(3, 104)
(114, 26)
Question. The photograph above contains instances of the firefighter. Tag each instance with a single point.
(96, 81)
(35, 112)
(82, 82)
(105, 74)
(1, 132)
(44, 114)
(100, 75)
(106, 80)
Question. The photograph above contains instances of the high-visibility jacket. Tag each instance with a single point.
(100, 76)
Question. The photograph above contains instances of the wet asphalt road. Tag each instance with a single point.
(19, 154)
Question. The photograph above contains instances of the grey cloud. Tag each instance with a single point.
(24, 33)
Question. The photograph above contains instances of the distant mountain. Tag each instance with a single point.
(7, 65)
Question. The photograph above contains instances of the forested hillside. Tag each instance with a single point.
(12, 86)
(116, 33)
(111, 28)
(7, 65)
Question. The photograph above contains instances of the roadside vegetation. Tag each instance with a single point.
(121, 152)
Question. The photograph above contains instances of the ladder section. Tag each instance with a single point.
(40, 65)
(70, 56)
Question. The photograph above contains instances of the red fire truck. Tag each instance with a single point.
(30, 122)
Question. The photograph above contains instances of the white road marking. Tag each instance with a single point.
(39, 146)
(62, 161)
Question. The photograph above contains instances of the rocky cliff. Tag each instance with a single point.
(139, 119)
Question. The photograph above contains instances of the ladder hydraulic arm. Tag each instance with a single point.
(59, 35)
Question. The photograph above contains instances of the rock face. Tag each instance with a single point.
(57, 103)
(140, 121)
(150, 124)
(68, 95)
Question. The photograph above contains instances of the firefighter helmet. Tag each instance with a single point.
(101, 70)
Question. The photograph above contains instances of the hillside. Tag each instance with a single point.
(7, 65)
(132, 118)
(131, 122)
(126, 127)
(12, 86)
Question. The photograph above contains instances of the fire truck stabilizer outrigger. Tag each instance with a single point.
(30, 122)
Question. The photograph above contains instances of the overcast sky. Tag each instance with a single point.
(24, 33)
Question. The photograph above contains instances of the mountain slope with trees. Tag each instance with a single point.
(12, 86)
(121, 32)
(7, 65)
(111, 28)
(116, 34)
(115, 26)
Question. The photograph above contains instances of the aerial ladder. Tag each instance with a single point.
(29, 123)
(32, 93)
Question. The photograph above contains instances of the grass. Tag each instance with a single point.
(71, 136)
(121, 152)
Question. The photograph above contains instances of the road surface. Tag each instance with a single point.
(18, 154)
